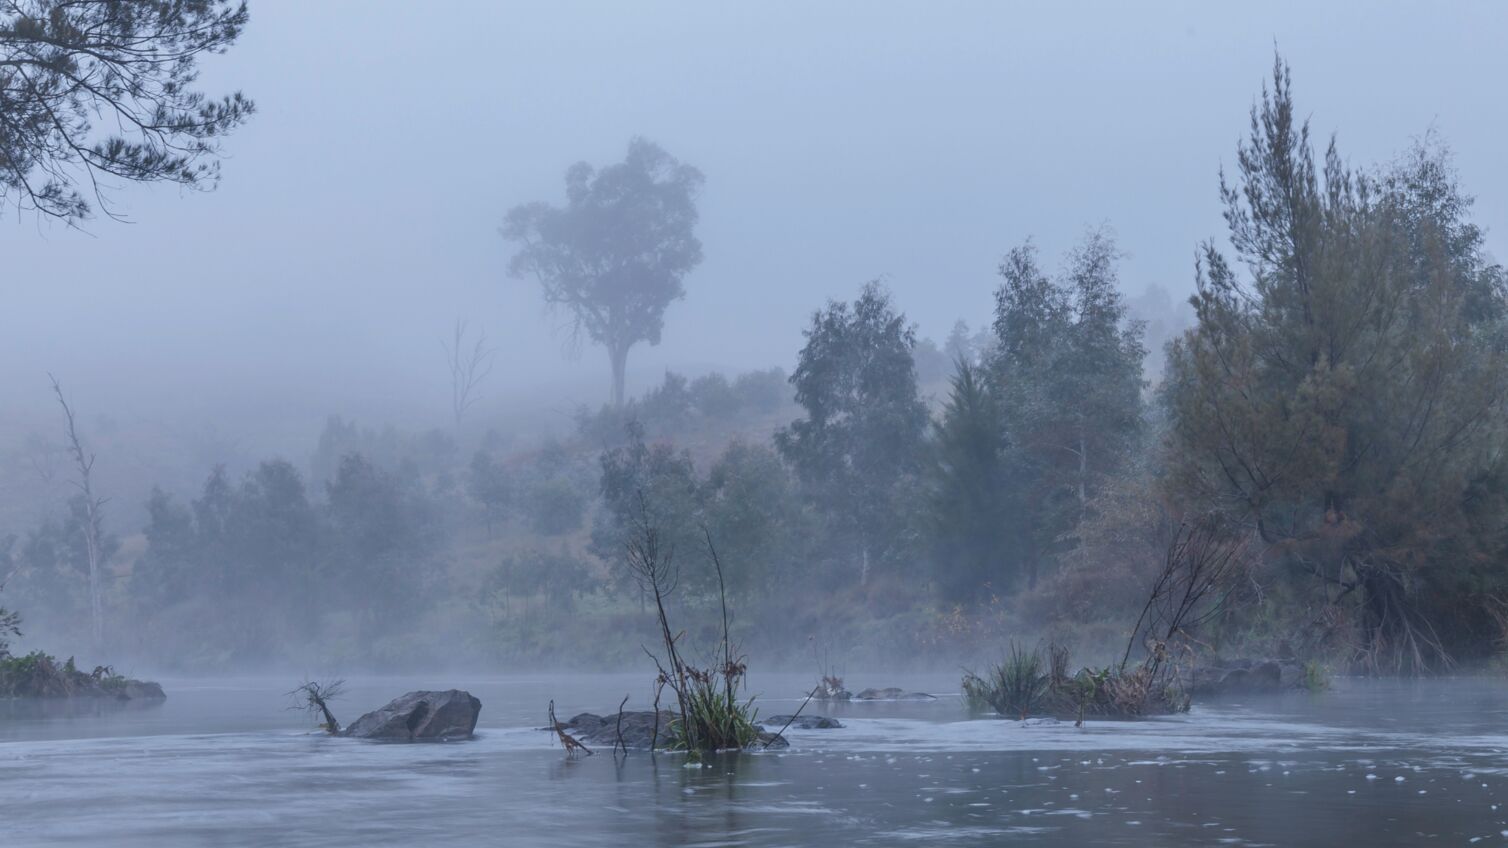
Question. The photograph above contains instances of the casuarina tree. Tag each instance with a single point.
(1343, 399)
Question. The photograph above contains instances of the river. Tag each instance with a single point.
(223, 762)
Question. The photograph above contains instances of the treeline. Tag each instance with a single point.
(1336, 411)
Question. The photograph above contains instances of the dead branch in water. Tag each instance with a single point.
(314, 697)
(788, 721)
(619, 743)
(571, 743)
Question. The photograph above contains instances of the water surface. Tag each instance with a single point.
(223, 762)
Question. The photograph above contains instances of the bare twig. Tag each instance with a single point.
(619, 743)
(314, 697)
(789, 721)
(571, 743)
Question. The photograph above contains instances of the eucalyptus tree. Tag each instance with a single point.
(1066, 371)
(615, 255)
(861, 439)
(93, 91)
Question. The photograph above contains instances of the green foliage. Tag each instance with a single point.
(615, 255)
(717, 719)
(709, 404)
(1021, 686)
(1066, 369)
(1344, 397)
(970, 511)
(554, 507)
(1015, 687)
(753, 509)
(637, 473)
(50, 570)
(365, 557)
(860, 445)
(1316, 677)
(39, 675)
(489, 485)
(78, 70)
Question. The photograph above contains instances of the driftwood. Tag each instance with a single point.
(618, 729)
(314, 697)
(571, 743)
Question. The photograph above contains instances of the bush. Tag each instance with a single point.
(554, 507)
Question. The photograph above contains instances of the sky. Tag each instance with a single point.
(841, 142)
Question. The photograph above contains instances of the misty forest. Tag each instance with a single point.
(1006, 531)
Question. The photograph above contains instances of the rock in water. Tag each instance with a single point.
(805, 722)
(640, 730)
(420, 716)
(892, 693)
(1246, 677)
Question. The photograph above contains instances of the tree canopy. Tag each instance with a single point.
(1343, 398)
(128, 64)
(615, 255)
(864, 425)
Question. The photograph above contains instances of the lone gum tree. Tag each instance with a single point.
(129, 65)
(615, 255)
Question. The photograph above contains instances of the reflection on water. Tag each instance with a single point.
(222, 762)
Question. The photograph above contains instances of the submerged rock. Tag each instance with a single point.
(1247, 677)
(893, 694)
(804, 722)
(640, 732)
(420, 716)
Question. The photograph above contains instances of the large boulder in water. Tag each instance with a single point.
(420, 716)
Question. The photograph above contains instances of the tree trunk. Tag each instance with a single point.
(618, 356)
(1083, 474)
(92, 548)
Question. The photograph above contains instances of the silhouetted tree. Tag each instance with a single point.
(971, 517)
(128, 64)
(615, 255)
(1066, 371)
(469, 364)
(864, 425)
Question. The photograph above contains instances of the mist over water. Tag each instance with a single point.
(222, 763)
(1126, 386)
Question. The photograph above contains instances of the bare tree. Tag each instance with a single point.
(469, 364)
(92, 514)
(314, 697)
(1190, 590)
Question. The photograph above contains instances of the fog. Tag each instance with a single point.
(1050, 436)
(358, 212)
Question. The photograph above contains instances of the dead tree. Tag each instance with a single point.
(314, 697)
(469, 365)
(652, 565)
(92, 515)
(571, 743)
(1190, 590)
